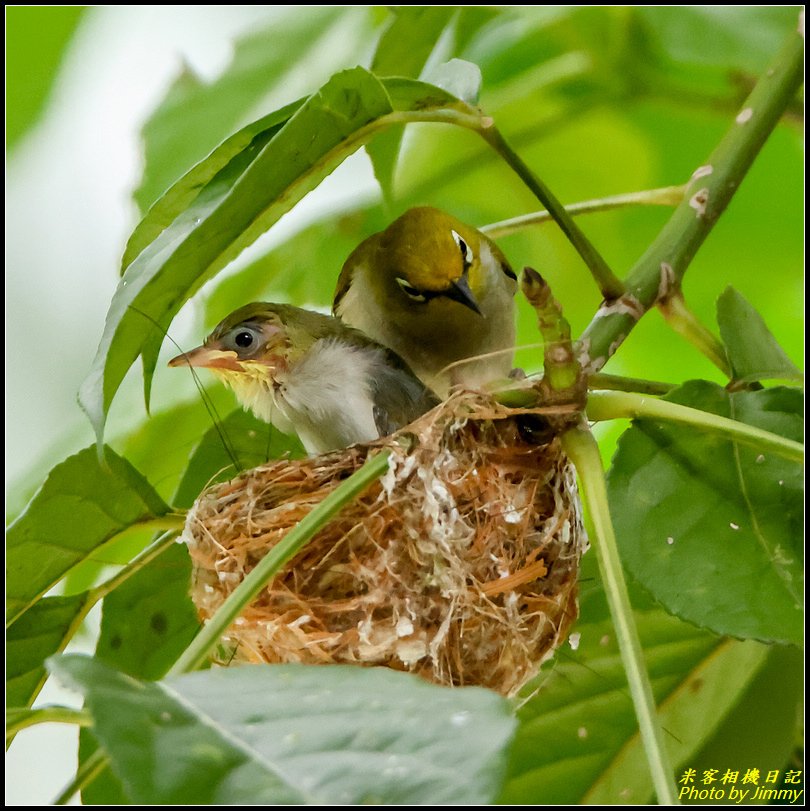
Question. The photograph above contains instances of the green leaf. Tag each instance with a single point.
(242, 200)
(741, 37)
(752, 350)
(146, 623)
(712, 528)
(149, 620)
(761, 728)
(196, 115)
(406, 45)
(42, 631)
(161, 445)
(82, 505)
(182, 193)
(105, 788)
(37, 39)
(250, 442)
(292, 734)
(459, 78)
(578, 739)
(404, 48)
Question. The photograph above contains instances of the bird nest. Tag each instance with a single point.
(460, 564)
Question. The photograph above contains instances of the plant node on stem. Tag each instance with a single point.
(563, 380)
(678, 315)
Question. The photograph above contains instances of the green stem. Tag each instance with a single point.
(666, 196)
(451, 170)
(561, 370)
(618, 383)
(275, 559)
(660, 270)
(584, 452)
(85, 774)
(523, 394)
(147, 555)
(21, 718)
(610, 285)
(611, 405)
(687, 325)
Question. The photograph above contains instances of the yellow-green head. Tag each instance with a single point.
(434, 290)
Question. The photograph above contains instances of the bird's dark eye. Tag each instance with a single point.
(466, 250)
(410, 290)
(242, 339)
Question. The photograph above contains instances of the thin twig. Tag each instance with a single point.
(609, 284)
(156, 548)
(18, 719)
(665, 196)
(86, 773)
(619, 383)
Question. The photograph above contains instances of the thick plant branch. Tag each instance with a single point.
(665, 196)
(660, 270)
(196, 653)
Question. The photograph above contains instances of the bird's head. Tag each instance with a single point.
(426, 265)
(255, 344)
(427, 254)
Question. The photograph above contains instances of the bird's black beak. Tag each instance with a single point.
(460, 291)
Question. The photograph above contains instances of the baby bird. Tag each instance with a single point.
(310, 374)
(436, 291)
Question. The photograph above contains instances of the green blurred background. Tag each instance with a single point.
(103, 103)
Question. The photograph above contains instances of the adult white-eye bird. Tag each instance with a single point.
(436, 291)
(310, 374)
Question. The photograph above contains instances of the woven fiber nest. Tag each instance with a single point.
(460, 564)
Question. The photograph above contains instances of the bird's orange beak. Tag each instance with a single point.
(208, 358)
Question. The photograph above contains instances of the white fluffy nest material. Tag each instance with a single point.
(459, 565)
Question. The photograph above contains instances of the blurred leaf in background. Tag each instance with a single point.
(36, 38)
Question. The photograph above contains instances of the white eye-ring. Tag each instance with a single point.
(466, 250)
(410, 291)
